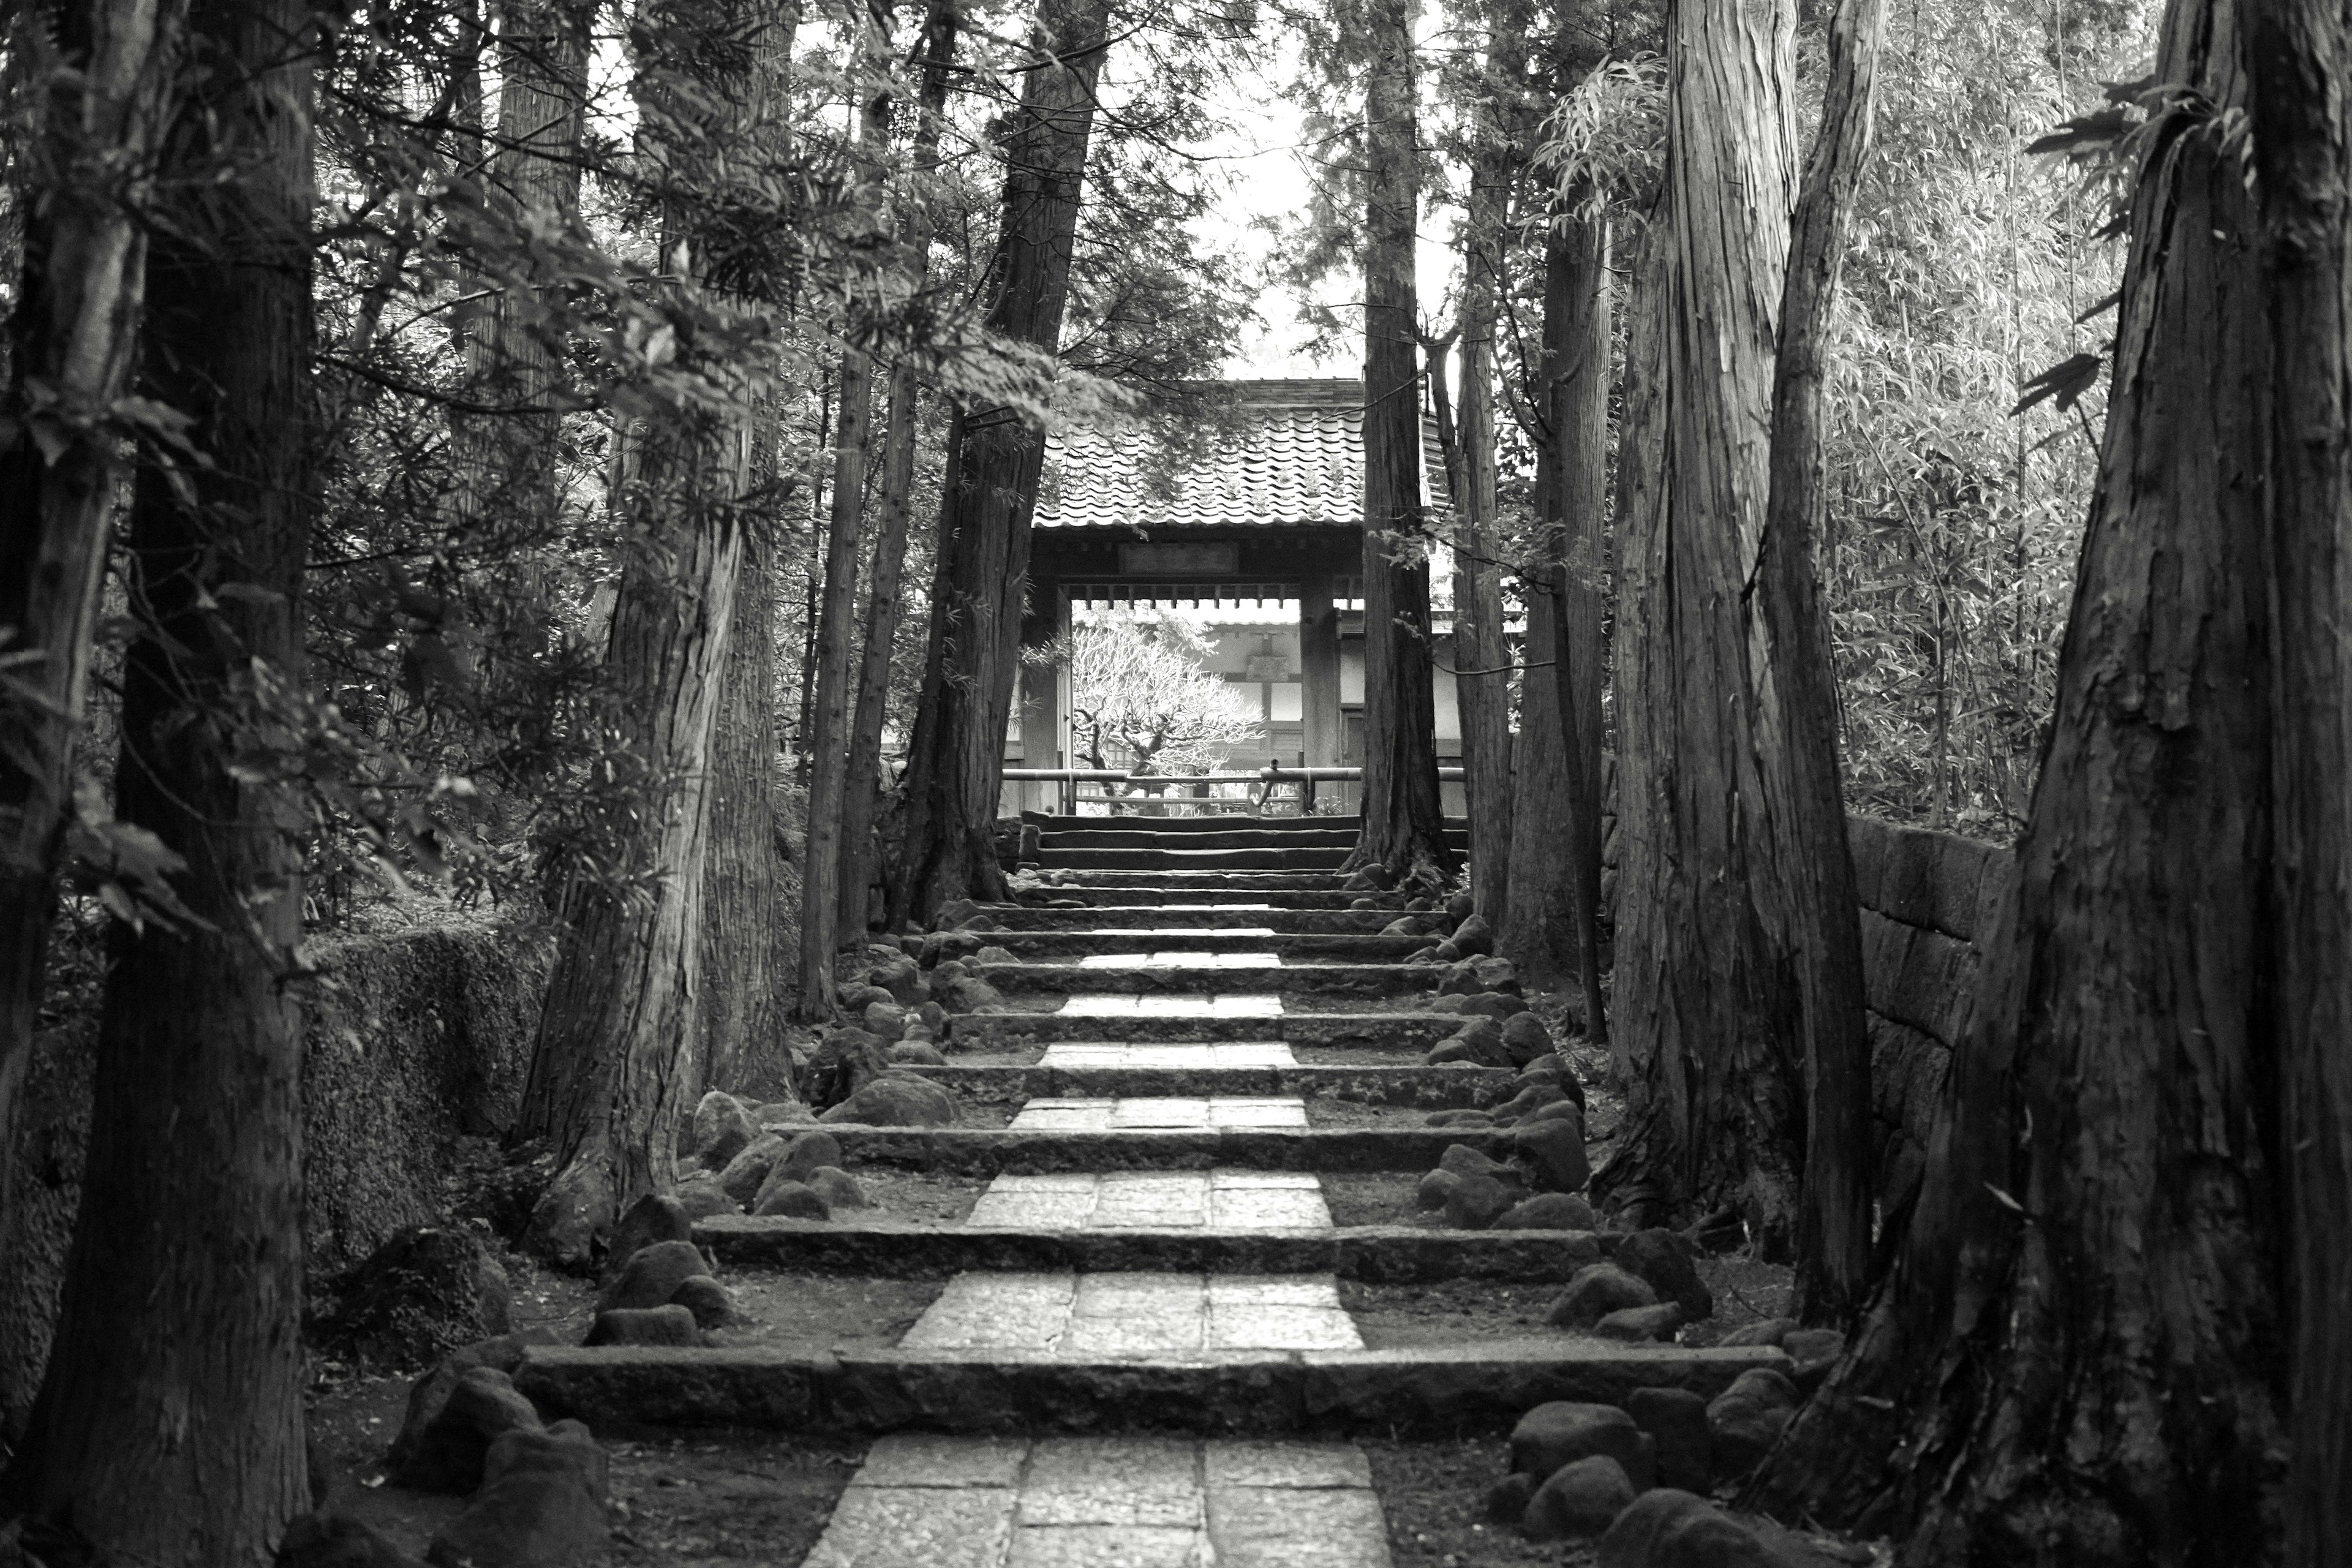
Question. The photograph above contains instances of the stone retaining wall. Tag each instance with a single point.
(1926, 898)
(416, 1040)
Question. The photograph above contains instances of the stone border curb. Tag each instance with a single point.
(1417, 1088)
(1385, 1031)
(1474, 1388)
(988, 1151)
(1388, 1255)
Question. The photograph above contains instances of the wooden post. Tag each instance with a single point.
(1318, 668)
(1041, 691)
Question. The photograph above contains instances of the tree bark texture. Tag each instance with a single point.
(72, 348)
(1404, 818)
(1482, 656)
(1707, 1013)
(2078, 1357)
(747, 937)
(820, 866)
(613, 1061)
(957, 757)
(739, 1015)
(169, 1425)
(506, 462)
(861, 794)
(2300, 61)
(1577, 329)
(1796, 706)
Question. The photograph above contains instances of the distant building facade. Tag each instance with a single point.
(1258, 541)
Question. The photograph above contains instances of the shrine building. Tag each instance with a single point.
(1259, 544)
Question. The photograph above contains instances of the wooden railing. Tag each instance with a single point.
(1263, 792)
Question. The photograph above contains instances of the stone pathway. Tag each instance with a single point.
(1155, 1250)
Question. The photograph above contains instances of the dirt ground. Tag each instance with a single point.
(715, 1498)
(1394, 1316)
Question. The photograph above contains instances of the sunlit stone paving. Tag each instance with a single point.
(1096, 1316)
(1270, 1199)
(1102, 1115)
(1253, 1005)
(1106, 1502)
(1214, 1054)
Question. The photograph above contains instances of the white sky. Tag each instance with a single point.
(1261, 142)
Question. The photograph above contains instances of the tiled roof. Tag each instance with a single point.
(1294, 458)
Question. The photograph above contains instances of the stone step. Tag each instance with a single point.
(1222, 822)
(1394, 1254)
(988, 1151)
(1427, 1088)
(1315, 891)
(1157, 979)
(1386, 1030)
(1311, 858)
(1204, 918)
(1132, 833)
(1351, 947)
(1474, 1387)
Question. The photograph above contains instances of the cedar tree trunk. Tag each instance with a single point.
(614, 1057)
(1707, 1012)
(2300, 66)
(1575, 350)
(1482, 656)
(1797, 708)
(828, 748)
(861, 794)
(1403, 820)
(2080, 1355)
(994, 461)
(72, 344)
(746, 920)
(169, 1427)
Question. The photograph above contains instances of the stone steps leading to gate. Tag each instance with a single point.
(1155, 1251)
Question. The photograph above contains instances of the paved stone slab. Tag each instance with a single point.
(1180, 960)
(1140, 1314)
(1211, 1055)
(1098, 1115)
(1105, 1502)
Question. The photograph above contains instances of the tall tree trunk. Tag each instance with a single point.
(829, 748)
(1576, 349)
(1797, 708)
(72, 344)
(1403, 820)
(2300, 66)
(2078, 1356)
(747, 947)
(506, 463)
(169, 1427)
(1707, 1014)
(861, 792)
(740, 1016)
(1482, 656)
(957, 758)
(614, 1059)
